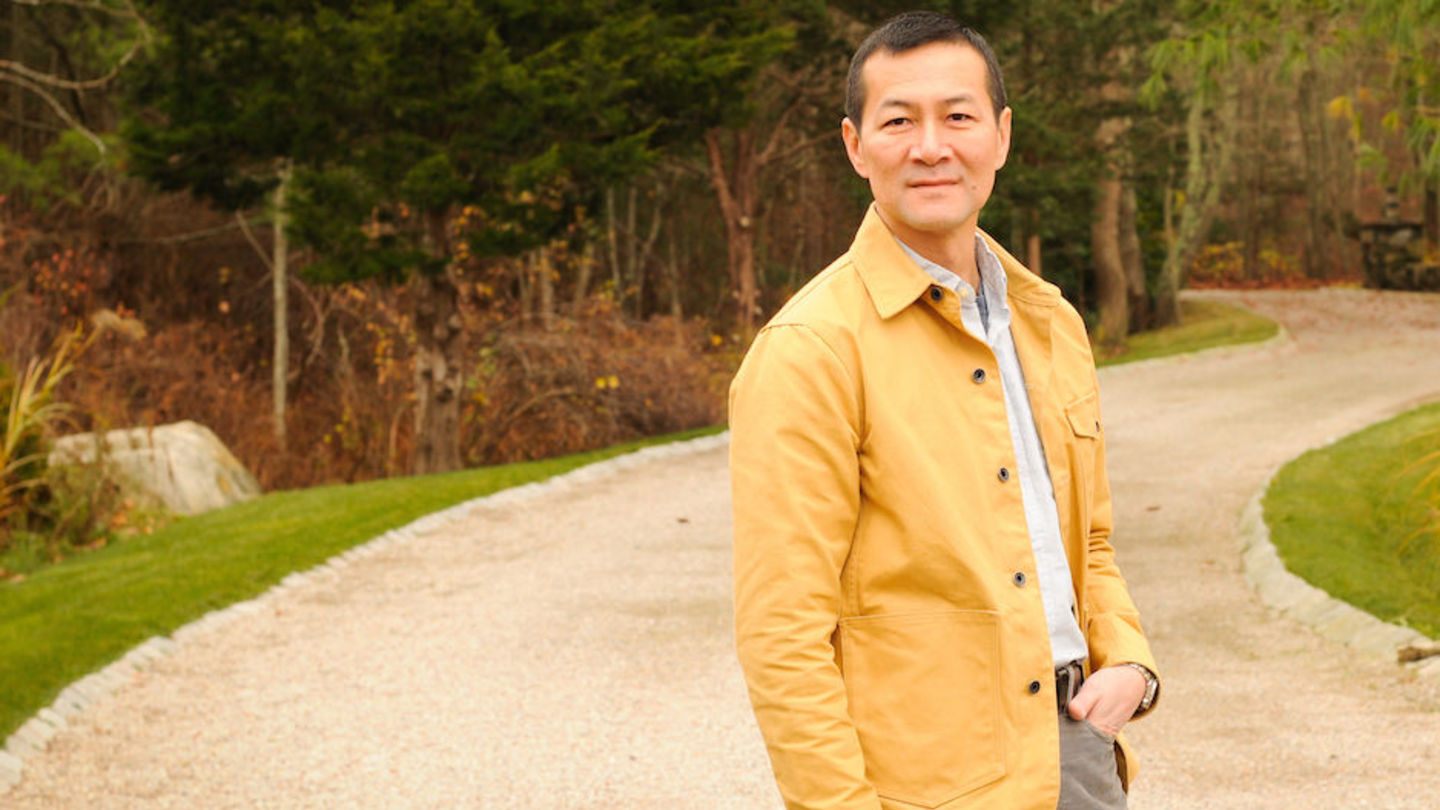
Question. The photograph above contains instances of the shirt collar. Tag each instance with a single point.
(992, 276)
(894, 281)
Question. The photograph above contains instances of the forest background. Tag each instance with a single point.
(365, 239)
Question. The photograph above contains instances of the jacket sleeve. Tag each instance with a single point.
(795, 417)
(1114, 633)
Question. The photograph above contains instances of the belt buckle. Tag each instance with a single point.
(1067, 682)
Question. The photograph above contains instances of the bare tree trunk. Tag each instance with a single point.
(582, 281)
(525, 278)
(438, 365)
(613, 242)
(736, 190)
(1025, 236)
(1208, 158)
(672, 269)
(1311, 120)
(627, 277)
(1133, 260)
(1110, 283)
(13, 95)
(280, 276)
(545, 279)
(1253, 152)
(647, 249)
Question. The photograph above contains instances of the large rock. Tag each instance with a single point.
(182, 465)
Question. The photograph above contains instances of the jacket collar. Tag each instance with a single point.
(895, 282)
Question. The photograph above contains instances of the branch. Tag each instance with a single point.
(804, 145)
(255, 243)
(718, 179)
(182, 237)
(32, 80)
(771, 145)
(144, 39)
(94, 5)
(59, 110)
(683, 166)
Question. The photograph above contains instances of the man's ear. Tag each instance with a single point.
(1002, 124)
(851, 135)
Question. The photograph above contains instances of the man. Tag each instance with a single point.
(923, 572)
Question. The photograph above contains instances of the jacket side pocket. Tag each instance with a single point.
(924, 693)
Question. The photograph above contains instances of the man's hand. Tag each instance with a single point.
(1108, 698)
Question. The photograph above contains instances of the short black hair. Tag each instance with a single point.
(908, 31)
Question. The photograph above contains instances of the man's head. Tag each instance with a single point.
(909, 31)
(930, 128)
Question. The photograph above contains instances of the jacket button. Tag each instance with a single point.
(1034, 687)
(977, 376)
(1019, 579)
(936, 294)
(1004, 474)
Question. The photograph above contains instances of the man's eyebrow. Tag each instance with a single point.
(897, 102)
(904, 104)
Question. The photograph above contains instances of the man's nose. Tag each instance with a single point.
(930, 148)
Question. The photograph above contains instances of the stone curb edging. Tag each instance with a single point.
(36, 733)
(1294, 597)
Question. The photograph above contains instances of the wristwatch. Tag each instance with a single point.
(1152, 687)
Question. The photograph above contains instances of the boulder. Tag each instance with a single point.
(183, 465)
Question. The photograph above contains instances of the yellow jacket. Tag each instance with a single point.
(889, 650)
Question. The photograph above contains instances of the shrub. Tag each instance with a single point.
(594, 380)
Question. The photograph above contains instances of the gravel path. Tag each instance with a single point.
(573, 651)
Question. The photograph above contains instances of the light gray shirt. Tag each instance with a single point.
(987, 317)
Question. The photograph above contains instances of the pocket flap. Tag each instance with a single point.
(1084, 415)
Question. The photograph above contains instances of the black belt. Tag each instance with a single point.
(1067, 682)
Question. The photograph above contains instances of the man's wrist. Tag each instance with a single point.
(1152, 687)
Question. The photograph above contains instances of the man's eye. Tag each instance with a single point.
(961, 117)
(894, 122)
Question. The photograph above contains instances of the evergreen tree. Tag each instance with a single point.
(425, 132)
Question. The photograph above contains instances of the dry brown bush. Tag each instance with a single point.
(594, 377)
(593, 380)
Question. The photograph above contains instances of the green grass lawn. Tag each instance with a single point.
(68, 620)
(1350, 519)
(1203, 325)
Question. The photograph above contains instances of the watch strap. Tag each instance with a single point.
(1152, 687)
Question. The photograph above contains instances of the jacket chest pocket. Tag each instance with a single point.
(1083, 417)
(924, 693)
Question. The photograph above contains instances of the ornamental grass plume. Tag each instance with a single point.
(31, 414)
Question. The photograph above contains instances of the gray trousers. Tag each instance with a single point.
(1088, 779)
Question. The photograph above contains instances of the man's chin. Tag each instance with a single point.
(936, 222)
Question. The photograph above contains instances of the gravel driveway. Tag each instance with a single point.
(573, 651)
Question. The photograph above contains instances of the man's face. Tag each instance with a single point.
(929, 142)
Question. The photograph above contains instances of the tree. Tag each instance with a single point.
(443, 133)
(766, 128)
(222, 118)
(1410, 33)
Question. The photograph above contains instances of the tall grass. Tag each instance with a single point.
(31, 414)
